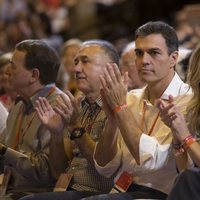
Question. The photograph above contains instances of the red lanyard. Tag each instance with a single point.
(143, 119)
(23, 132)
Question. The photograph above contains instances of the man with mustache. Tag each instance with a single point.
(85, 121)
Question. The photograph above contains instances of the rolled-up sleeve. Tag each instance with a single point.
(152, 154)
(111, 167)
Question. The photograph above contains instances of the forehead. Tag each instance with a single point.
(91, 50)
(129, 54)
(152, 41)
(18, 56)
(71, 49)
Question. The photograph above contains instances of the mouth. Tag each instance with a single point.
(146, 71)
(79, 77)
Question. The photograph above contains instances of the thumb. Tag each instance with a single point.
(171, 98)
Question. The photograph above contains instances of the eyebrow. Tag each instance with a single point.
(150, 49)
(80, 57)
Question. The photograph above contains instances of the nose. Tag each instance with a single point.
(78, 67)
(146, 58)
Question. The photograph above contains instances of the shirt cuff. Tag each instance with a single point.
(111, 167)
(152, 154)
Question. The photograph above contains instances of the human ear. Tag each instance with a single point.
(35, 75)
(173, 59)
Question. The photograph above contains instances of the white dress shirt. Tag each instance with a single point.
(157, 167)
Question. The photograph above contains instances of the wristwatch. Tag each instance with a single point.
(77, 133)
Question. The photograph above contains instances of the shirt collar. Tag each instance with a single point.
(172, 89)
(42, 93)
(98, 102)
(30, 104)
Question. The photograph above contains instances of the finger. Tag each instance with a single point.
(126, 78)
(168, 108)
(65, 98)
(117, 72)
(166, 115)
(168, 119)
(103, 83)
(70, 95)
(39, 113)
(111, 70)
(160, 104)
(171, 99)
(72, 100)
(47, 104)
(63, 105)
(65, 116)
(42, 105)
(108, 80)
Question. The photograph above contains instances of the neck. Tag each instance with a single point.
(91, 97)
(155, 90)
(31, 92)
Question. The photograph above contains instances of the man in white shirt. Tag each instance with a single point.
(141, 154)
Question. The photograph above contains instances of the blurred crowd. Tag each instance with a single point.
(59, 21)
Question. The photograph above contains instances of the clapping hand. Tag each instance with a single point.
(48, 116)
(173, 118)
(114, 86)
(68, 108)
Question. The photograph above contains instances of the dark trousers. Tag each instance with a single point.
(68, 195)
(134, 192)
(187, 186)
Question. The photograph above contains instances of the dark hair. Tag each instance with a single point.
(159, 27)
(107, 47)
(41, 56)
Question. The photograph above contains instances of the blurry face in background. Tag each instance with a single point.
(4, 76)
(128, 65)
(68, 59)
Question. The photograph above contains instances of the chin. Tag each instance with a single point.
(82, 88)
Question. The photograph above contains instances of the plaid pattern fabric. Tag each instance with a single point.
(86, 178)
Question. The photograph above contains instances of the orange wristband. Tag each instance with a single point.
(118, 108)
(189, 142)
